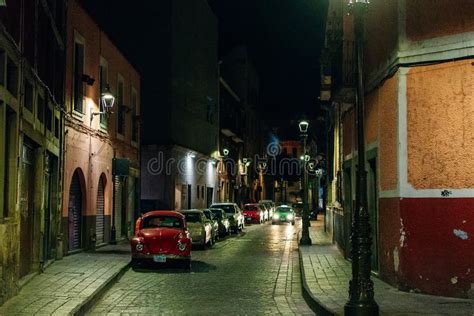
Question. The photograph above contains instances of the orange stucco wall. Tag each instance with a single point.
(388, 127)
(426, 19)
(348, 133)
(381, 124)
(371, 117)
(441, 125)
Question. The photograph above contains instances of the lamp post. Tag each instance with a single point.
(305, 239)
(361, 288)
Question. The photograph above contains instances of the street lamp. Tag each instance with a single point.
(305, 239)
(107, 102)
(361, 288)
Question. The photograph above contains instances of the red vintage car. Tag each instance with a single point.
(253, 213)
(161, 236)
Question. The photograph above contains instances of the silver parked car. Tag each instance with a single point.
(270, 206)
(214, 224)
(200, 228)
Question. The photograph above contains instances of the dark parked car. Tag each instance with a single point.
(161, 236)
(298, 208)
(222, 220)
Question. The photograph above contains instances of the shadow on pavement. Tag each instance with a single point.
(174, 267)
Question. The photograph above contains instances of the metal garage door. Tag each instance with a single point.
(27, 212)
(99, 224)
(75, 212)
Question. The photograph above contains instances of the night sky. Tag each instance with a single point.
(284, 38)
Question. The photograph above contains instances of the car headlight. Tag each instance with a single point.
(289, 217)
(181, 246)
(139, 247)
(276, 216)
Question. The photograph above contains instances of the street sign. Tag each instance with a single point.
(120, 167)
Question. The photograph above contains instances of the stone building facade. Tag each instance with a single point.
(32, 61)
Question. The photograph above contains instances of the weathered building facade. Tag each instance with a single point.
(419, 127)
(180, 131)
(32, 59)
(241, 128)
(94, 136)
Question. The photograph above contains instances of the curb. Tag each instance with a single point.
(315, 305)
(85, 306)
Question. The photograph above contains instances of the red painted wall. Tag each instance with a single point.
(389, 236)
(432, 258)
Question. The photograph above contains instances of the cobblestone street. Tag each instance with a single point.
(256, 272)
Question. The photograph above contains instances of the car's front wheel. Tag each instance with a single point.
(135, 263)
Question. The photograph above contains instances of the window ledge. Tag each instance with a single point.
(78, 115)
(103, 128)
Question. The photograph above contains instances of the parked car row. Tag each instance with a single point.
(162, 236)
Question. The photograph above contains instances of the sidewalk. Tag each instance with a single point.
(71, 285)
(326, 275)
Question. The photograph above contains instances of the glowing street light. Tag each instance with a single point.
(108, 99)
(303, 125)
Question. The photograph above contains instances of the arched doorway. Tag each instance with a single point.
(75, 212)
(100, 212)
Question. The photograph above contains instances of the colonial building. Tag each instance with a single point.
(242, 129)
(180, 131)
(95, 136)
(419, 137)
(32, 57)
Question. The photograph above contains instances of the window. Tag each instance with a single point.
(9, 160)
(120, 107)
(103, 79)
(294, 152)
(78, 93)
(40, 109)
(56, 127)
(2, 67)
(135, 116)
(197, 192)
(48, 118)
(202, 192)
(28, 96)
(12, 77)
